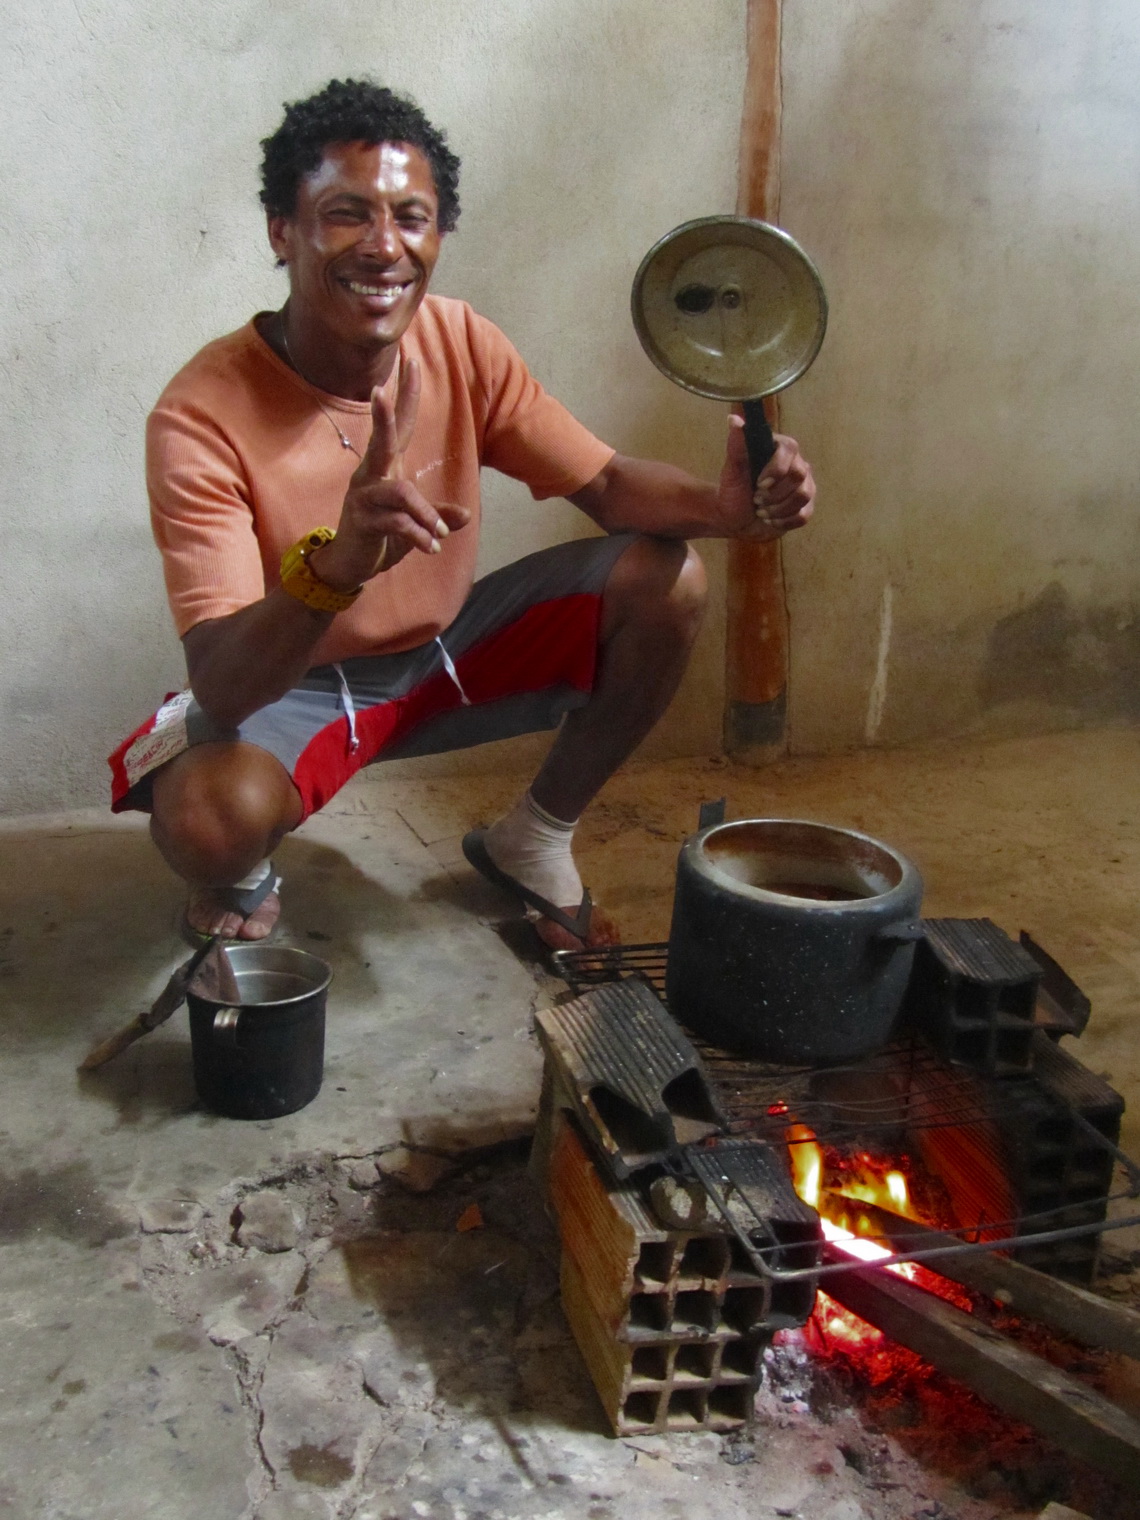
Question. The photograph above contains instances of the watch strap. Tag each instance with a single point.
(301, 581)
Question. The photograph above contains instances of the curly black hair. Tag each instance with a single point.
(352, 110)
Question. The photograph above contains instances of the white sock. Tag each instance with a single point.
(255, 877)
(531, 845)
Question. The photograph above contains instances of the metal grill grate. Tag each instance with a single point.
(995, 1139)
(759, 1096)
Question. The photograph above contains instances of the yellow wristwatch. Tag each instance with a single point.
(299, 580)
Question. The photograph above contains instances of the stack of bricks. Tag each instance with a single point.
(671, 1323)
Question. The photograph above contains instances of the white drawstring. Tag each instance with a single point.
(349, 709)
(449, 666)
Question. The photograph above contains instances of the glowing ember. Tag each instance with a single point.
(833, 1323)
(865, 1250)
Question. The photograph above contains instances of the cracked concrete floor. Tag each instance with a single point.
(376, 1363)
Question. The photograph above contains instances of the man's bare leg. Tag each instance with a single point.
(218, 810)
(651, 611)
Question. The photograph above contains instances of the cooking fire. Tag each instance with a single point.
(749, 1203)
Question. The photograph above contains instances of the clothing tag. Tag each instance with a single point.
(165, 739)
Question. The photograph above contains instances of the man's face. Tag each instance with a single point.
(362, 242)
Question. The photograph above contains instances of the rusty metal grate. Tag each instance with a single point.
(583, 969)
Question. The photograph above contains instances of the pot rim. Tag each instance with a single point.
(249, 951)
(904, 889)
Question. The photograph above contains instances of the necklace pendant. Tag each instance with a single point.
(344, 443)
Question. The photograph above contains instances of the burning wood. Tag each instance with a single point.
(923, 1311)
(1071, 1413)
(1051, 1301)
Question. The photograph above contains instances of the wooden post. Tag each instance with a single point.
(757, 638)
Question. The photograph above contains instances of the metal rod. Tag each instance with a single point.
(1092, 1320)
(799, 1274)
(1125, 1160)
(1026, 1238)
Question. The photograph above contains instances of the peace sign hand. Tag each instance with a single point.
(384, 516)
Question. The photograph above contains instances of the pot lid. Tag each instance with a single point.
(729, 307)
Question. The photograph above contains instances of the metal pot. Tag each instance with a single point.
(265, 1056)
(791, 941)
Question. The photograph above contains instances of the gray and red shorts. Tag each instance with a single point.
(522, 652)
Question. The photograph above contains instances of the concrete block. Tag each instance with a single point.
(169, 1216)
(418, 1171)
(670, 1324)
(268, 1222)
(363, 1175)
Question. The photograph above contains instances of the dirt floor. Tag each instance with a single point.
(281, 1319)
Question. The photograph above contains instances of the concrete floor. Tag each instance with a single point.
(378, 1364)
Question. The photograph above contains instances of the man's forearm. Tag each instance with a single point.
(241, 663)
(647, 496)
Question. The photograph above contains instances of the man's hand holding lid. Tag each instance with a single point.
(782, 498)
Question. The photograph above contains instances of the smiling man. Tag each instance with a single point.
(314, 484)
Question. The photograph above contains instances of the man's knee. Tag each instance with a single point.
(692, 585)
(662, 581)
(218, 805)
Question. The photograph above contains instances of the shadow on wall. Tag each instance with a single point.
(1082, 658)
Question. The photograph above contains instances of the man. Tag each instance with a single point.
(367, 406)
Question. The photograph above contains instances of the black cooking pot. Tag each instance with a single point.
(791, 941)
(263, 1057)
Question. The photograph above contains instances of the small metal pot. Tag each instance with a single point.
(791, 941)
(265, 1057)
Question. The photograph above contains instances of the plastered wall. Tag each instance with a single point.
(132, 235)
(967, 174)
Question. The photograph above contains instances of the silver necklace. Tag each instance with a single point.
(345, 441)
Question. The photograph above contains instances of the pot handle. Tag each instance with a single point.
(226, 1025)
(902, 934)
(712, 814)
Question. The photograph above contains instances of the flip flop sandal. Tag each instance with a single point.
(236, 900)
(475, 852)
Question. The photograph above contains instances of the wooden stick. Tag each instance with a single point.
(1079, 1419)
(1074, 1311)
(167, 1001)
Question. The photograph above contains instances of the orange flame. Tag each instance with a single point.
(889, 1188)
(836, 1323)
(859, 1178)
(807, 1163)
